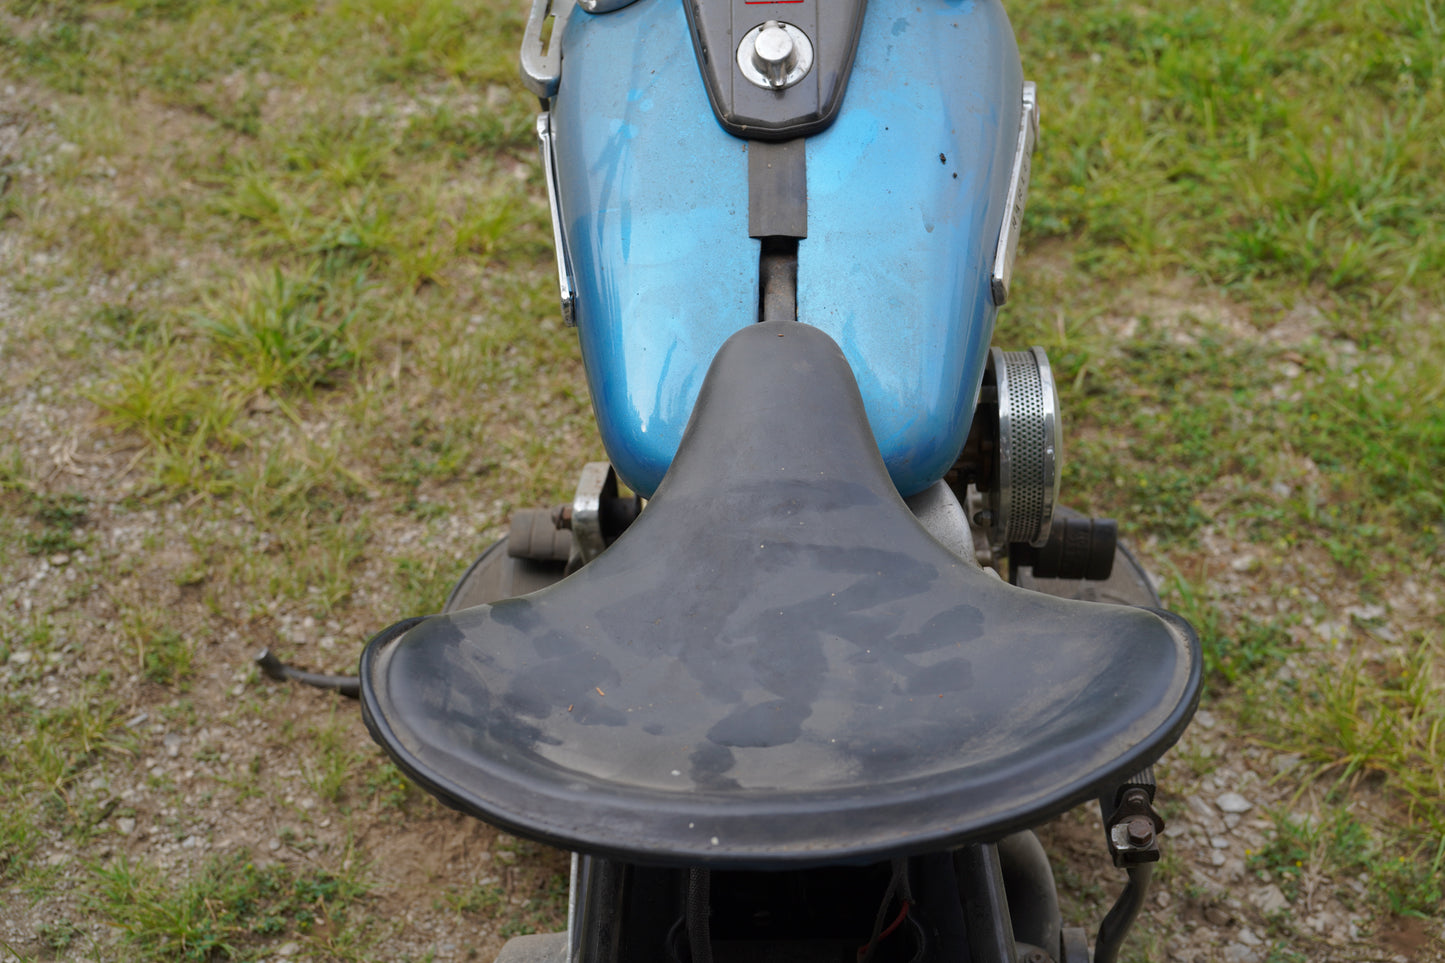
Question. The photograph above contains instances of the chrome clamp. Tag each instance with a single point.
(542, 47)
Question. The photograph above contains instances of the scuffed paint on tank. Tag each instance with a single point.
(906, 196)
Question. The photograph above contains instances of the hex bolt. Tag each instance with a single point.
(1140, 831)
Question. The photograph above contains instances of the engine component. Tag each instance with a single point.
(1077, 548)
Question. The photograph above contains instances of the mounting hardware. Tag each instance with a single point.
(541, 48)
(566, 282)
(1018, 195)
(597, 515)
(1133, 829)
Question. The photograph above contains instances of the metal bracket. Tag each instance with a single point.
(1133, 829)
(598, 482)
(566, 280)
(1018, 195)
(542, 48)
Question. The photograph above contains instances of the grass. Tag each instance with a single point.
(232, 909)
(1303, 853)
(1381, 717)
(1243, 141)
(285, 271)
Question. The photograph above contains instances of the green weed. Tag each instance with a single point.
(422, 584)
(63, 742)
(232, 908)
(61, 518)
(1235, 648)
(1410, 883)
(331, 771)
(389, 787)
(58, 937)
(18, 837)
(1403, 883)
(1285, 858)
(288, 332)
(185, 419)
(482, 899)
(1376, 717)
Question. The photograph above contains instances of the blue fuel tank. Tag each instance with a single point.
(906, 197)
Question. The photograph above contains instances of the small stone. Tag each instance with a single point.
(20, 657)
(1216, 857)
(1247, 937)
(289, 949)
(274, 845)
(1217, 915)
(60, 558)
(1205, 718)
(1239, 953)
(1233, 802)
(125, 825)
(1219, 842)
(1271, 900)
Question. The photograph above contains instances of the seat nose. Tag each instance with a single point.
(776, 665)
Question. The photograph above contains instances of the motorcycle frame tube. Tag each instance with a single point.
(906, 196)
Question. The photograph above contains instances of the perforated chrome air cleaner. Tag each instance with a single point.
(1030, 447)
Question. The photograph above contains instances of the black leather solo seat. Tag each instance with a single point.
(776, 665)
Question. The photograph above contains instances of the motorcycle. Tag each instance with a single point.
(763, 675)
